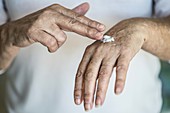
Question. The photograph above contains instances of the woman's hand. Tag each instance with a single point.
(100, 59)
(46, 27)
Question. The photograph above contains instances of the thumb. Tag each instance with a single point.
(82, 8)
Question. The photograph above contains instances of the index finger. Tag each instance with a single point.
(75, 26)
(80, 17)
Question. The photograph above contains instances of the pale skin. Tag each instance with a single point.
(47, 27)
(99, 60)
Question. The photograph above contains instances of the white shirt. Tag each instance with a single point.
(40, 82)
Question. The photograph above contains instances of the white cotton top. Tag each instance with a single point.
(41, 82)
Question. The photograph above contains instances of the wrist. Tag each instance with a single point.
(152, 31)
(7, 50)
(158, 38)
(6, 34)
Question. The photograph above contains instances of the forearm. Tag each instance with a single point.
(7, 50)
(158, 40)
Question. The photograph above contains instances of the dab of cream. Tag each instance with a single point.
(107, 38)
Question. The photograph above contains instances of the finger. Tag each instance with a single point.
(46, 39)
(77, 14)
(57, 33)
(82, 8)
(93, 99)
(103, 80)
(90, 80)
(121, 71)
(79, 85)
(77, 27)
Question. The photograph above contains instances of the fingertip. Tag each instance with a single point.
(87, 107)
(118, 91)
(82, 8)
(99, 36)
(86, 4)
(50, 50)
(77, 101)
(98, 102)
(101, 27)
(98, 106)
(119, 86)
(77, 97)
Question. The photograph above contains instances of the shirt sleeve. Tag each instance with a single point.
(3, 15)
(162, 8)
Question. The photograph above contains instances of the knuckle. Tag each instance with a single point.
(103, 73)
(61, 40)
(50, 42)
(55, 5)
(104, 78)
(99, 92)
(125, 56)
(93, 23)
(72, 22)
(87, 97)
(121, 67)
(47, 11)
(41, 18)
(30, 33)
(88, 49)
(61, 37)
(79, 17)
(91, 31)
(77, 93)
(89, 75)
(89, 23)
(46, 15)
(93, 61)
(126, 49)
(79, 74)
(99, 49)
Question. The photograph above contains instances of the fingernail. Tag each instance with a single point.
(99, 35)
(102, 27)
(118, 91)
(98, 103)
(78, 101)
(87, 107)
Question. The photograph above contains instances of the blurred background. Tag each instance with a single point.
(164, 76)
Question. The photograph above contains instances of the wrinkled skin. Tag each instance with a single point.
(100, 59)
(47, 27)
